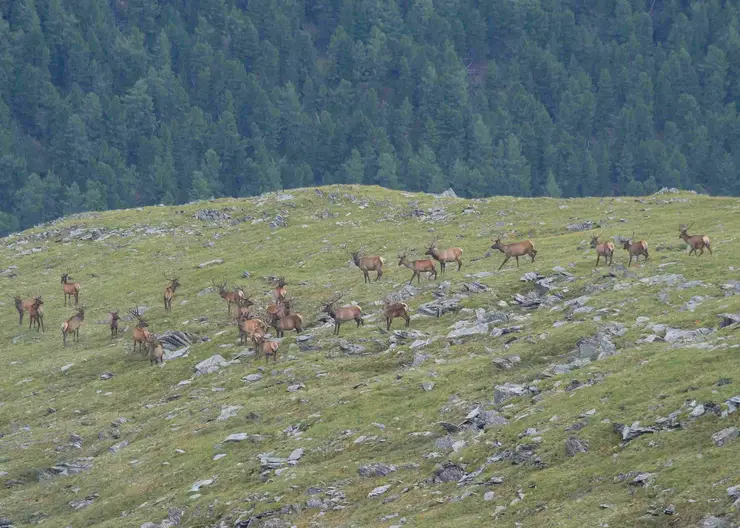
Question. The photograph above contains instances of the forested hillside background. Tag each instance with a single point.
(131, 102)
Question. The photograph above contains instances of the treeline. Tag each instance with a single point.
(128, 102)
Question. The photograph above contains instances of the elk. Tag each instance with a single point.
(697, 242)
(605, 250)
(249, 324)
(368, 264)
(141, 334)
(231, 297)
(268, 348)
(169, 292)
(635, 250)
(114, 324)
(418, 267)
(72, 325)
(71, 289)
(244, 304)
(392, 310)
(22, 306)
(515, 249)
(36, 314)
(444, 256)
(281, 322)
(280, 292)
(155, 350)
(344, 314)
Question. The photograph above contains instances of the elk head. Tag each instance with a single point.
(627, 243)
(65, 277)
(81, 312)
(683, 231)
(402, 259)
(595, 240)
(221, 287)
(174, 281)
(142, 322)
(497, 244)
(329, 305)
(432, 247)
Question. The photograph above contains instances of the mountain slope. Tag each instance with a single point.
(315, 422)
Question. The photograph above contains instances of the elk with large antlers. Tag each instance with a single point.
(22, 307)
(280, 291)
(249, 323)
(418, 267)
(636, 249)
(231, 297)
(36, 314)
(282, 322)
(169, 291)
(245, 303)
(263, 346)
(344, 314)
(515, 249)
(605, 250)
(114, 324)
(445, 255)
(141, 334)
(72, 325)
(155, 350)
(71, 289)
(391, 310)
(368, 264)
(697, 242)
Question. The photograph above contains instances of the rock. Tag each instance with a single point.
(206, 482)
(498, 332)
(530, 276)
(449, 193)
(83, 503)
(713, 522)
(210, 263)
(380, 490)
(448, 472)
(733, 492)
(440, 307)
(574, 445)
(507, 391)
(427, 386)
(475, 287)
(67, 468)
(630, 432)
(419, 359)
(251, 378)
(670, 509)
(66, 367)
(733, 404)
(212, 215)
(117, 447)
(642, 479)
(106, 375)
(674, 335)
(697, 411)
(295, 455)
(729, 319)
(210, 365)
(465, 331)
(176, 339)
(228, 411)
(581, 226)
(725, 436)
(351, 348)
(489, 496)
(296, 387)
(376, 469)
(508, 362)
(668, 280)
(491, 419)
(236, 437)
(596, 347)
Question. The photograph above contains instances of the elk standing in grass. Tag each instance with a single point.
(155, 350)
(72, 325)
(515, 249)
(368, 264)
(114, 324)
(445, 255)
(249, 324)
(282, 322)
(635, 250)
(605, 250)
(418, 267)
(697, 242)
(71, 289)
(392, 310)
(36, 314)
(280, 291)
(22, 306)
(262, 346)
(244, 304)
(344, 314)
(169, 291)
(231, 297)
(141, 334)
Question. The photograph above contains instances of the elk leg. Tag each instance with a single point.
(408, 320)
(380, 274)
(702, 251)
(710, 250)
(442, 266)
(388, 323)
(43, 329)
(506, 259)
(459, 264)
(597, 259)
(517, 261)
(646, 254)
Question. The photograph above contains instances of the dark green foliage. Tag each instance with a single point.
(118, 104)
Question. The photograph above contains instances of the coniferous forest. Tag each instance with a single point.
(135, 102)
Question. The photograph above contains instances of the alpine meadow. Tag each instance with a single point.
(369, 263)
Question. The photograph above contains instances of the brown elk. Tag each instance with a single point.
(605, 250)
(445, 255)
(280, 291)
(114, 323)
(36, 314)
(344, 314)
(636, 249)
(368, 264)
(697, 242)
(515, 249)
(155, 350)
(268, 348)
(169, 291)
(71, 289)
(22, 307)
(249, 324)
(231, 297)
(141, 334)
(418, 267)
(282, 322)
(72, 325)
(392, 310)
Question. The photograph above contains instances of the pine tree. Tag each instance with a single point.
(552, 188)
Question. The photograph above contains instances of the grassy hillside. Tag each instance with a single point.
(146, 435)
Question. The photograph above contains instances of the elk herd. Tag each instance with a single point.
(253, 323)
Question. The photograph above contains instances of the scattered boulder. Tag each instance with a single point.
(380, 490)
(448, 472)
(83, 503)
(725, 436)
(508, 391)
(596, 347)
(574, 445)
(630, 432)
(210, 263)
(674, 335)
(440, 307)
(466, 330)
(376, 469)
(177, 339)
(210, 365)
(228, 411)
(581, 226)
(508, 362)
(251, 378)
(711, 521)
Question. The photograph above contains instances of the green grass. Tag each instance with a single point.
(350, 393)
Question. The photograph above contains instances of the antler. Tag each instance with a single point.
(692, 223)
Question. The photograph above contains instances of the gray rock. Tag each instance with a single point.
(83, 503)
(498, 332)
(674, 335)
(711, 521)
(210, 365)
(596, 347)
(581, 226)
(491, 419)
(176, 339)
(296, 387)
(668, 279)
(440, 307)
(295, 455)
(376, 469)
(117, 447)
(209, 263)
(725, 436)
(228, 411)
(642, 479)
(427, 386)
(62, 469)
(531, 276)
(419, 359)
(508, 391)
(489, 496)
(697, 411)
(448, 472)
(729, 319)
(380, 490)
(475, 287)
(351, 348)
(466, 331)
(508, 362)
(574, 445)
(252, 378)
(733, 404)
(449, 193)
(630, 432)
(205, 482)
(236, 437)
